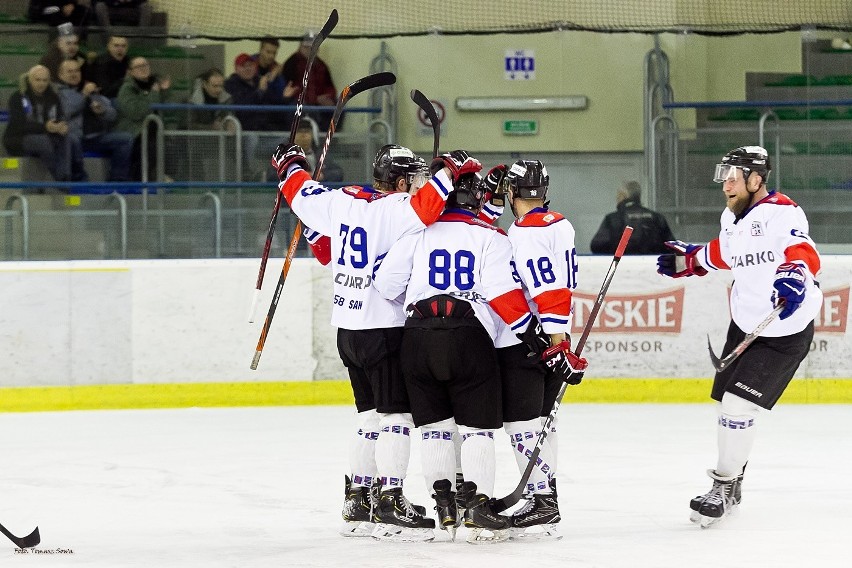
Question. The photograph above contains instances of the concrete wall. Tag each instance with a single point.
(93, 323)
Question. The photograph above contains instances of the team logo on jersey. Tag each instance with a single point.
(548, 218)
(756, 229)
(800, 234)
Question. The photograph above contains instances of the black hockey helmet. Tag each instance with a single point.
(468, 193)
(394, 161)
(527, 179)
(747, 158)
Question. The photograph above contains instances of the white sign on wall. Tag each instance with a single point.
(519, 64)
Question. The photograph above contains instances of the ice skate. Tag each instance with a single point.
(719, 502)
(398, 520)
(537, 518)
(358, 507)
(486, 524)
(445, 504)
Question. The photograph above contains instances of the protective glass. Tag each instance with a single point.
(725, 172)
(417, 180)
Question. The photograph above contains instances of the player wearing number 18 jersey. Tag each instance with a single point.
(362, 224)
(544, 261)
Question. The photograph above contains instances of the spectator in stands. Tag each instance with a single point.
(307, 140)
(321, 90)
(139, 91)
(90, 117)
(37, 124)
(109, 69)
(65, 46)
(278, 90)
(123, 12)
(247, 88)
(56, 12)
(650, 229)
(209, 89)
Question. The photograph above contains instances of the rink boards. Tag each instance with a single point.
(147, 334)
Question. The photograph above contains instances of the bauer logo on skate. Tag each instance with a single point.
(835, 311)
(643, 313)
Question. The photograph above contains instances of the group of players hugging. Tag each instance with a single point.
(450, 325)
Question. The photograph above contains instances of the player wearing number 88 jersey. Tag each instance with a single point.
(451, 274)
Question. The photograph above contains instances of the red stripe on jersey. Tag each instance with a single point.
(714, 251)
(293, 184)
(510, 306)
(322, 250)
(803, 252)
(779, 199)
(428, 203)
(539, 219)
(556, 302)
(486, 218)
(469, 220)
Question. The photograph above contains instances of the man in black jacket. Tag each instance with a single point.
(650, 229)
(37, 125)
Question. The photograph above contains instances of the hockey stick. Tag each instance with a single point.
(515, 496)
(28, 541)
(323, 33)
(427, 107)
(722, 364)
(359, 86)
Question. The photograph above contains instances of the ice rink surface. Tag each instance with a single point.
(257, 487)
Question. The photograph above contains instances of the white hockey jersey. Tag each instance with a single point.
(461, 256)
(362, 225)
(773, 231)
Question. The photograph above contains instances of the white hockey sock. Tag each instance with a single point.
(393, 448)
(362, 453)
(477, 458)
(736, 432)
(523, 436)
(553, 440)
(437, 452)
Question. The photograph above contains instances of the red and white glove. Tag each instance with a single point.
(565, 364)
(683, 262)
(287, 155)
(458, 162)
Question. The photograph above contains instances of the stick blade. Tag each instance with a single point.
(370, 82)
(31, 539)
(428, 108)
(717, 363)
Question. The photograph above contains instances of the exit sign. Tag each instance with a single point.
(522, 127)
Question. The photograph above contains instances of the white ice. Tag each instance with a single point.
(257, 487)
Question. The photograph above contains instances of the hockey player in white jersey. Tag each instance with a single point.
(545, 263)
(764, 242)
(362, 224)
(450, 274)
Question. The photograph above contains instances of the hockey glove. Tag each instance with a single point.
(535, 339)
(458, 162)
(564, 364)
(287, 155)
(682, 263)
(789, 286)
(494, 185)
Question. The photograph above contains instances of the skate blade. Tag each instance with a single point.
(357, 528)
(487, 536)
(395, 533)
(536, 532)
(451, 530)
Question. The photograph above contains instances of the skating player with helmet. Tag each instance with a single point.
(362, 224)
(764, 242)
(545, 263)
(450, 274)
